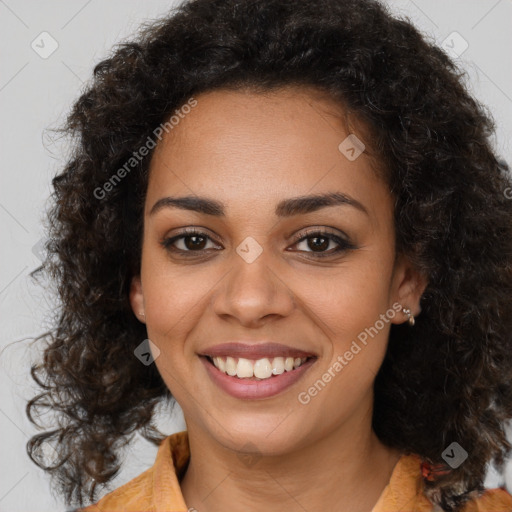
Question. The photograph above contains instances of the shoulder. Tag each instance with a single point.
(406, 491)
(491, 500)
(155, 488)
(134, 496)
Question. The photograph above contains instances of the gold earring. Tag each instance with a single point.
(410, 319)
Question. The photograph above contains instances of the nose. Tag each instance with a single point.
(253, 293)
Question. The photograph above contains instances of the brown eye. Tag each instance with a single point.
(323, 243)
(318, 243)
(188, 242)
(193, 242)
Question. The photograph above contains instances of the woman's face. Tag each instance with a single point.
(258, 272)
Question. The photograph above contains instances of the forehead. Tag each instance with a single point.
(274, 119)
(242, 145)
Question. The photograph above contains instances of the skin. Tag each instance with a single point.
(250, 151)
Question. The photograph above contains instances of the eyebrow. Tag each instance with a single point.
(285, 208)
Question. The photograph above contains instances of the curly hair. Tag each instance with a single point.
(447, 379)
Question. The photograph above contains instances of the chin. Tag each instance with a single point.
(265, 434)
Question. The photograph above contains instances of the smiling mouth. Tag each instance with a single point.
(256, 369)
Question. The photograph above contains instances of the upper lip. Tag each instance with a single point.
(255, 350)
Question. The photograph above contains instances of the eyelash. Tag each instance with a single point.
(344, 245)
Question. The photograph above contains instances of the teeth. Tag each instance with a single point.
(244, 369)
(220, 363)
(230, 366)
(261, 368)
(277, 365)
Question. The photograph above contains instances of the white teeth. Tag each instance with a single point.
(261, 368)
(245, 368)
(230, 366)
(277, 365)
(220, 364)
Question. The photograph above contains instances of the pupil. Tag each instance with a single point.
(194, 244)
(322, 245)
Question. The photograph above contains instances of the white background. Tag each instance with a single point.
(36, 93)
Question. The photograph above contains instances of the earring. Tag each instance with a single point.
(142, 313)
(410, 319)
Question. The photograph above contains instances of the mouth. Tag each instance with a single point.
(256, 379)
(257, 369)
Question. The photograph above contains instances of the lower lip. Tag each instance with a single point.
(254, 389)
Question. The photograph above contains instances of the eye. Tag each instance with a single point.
(321, 243)
(189, 241)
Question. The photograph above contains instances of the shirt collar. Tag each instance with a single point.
(403, 492)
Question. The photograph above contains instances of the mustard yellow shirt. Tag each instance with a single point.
(158, 488)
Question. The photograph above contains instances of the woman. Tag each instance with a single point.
(287, 216)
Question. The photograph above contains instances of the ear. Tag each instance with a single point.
(408, 285)
(137, 298)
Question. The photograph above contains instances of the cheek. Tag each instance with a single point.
(172, 299)
(172, 302)
(353, 307)
(351, 298)
(172, 292)
(356, 318)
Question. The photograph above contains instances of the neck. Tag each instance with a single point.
(337, 469)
